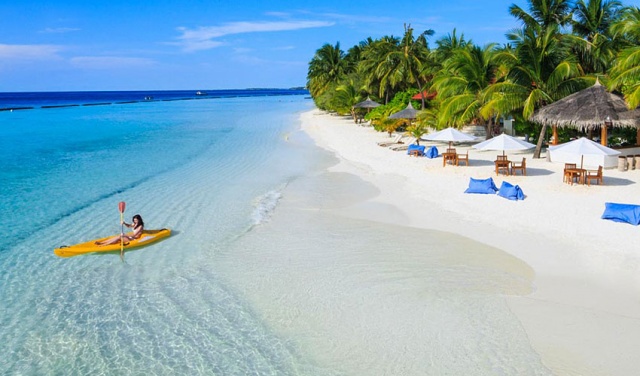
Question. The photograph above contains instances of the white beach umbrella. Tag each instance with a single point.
(449, 135)
(583, 146)
(504, 142)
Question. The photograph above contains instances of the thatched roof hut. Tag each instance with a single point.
(588, 108)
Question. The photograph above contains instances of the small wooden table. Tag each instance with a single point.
(415, 153)
(578, 173)
(453, 157)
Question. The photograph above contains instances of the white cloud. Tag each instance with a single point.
(202, 37)
(29, 51)
(278, 14)
(109, 62)
(59, 30)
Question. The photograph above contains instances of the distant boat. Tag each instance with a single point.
(201, 93)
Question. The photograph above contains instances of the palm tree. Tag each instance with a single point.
(416, 130)
(541, 67)
(625, 75)
(448, 44)
(461, 85)
(595, 47)
(541, 72)
(327, 67)
(543, 13)
(372, 56)
(398, 63)
(346, 95)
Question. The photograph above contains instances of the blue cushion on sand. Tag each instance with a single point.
(510, 191)
(432, 152)
(484, 186)
(626, 213)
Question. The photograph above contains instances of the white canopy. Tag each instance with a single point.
(504, 142)
(449, 135)
(583, 146)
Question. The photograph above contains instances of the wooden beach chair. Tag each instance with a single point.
(502, 163)
(397, 140)
(567, 174)
(522, 167)
(594, 175)
(462, 158)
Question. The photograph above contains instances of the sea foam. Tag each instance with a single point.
(265, 206)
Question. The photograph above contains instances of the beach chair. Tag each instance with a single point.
(395, 141)
(449, 157)
(522, 167)
(502, 163)
(567, 174)
(462, 158)
(594, 175)
(399, 147)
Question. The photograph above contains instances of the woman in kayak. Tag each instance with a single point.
(138, 226)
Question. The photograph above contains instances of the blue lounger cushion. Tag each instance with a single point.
(412, 147)
(626, 213)
(432, 152)
(482, 186)
(510, 191)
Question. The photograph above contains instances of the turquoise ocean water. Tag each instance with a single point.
(261, 276)
(205, 169)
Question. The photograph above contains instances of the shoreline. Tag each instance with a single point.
(583, 315)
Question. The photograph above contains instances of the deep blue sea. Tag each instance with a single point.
(32, 100)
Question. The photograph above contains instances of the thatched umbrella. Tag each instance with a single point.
(590, 108)
(408, 113)
(367, 104)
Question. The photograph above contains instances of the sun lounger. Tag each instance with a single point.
(399, 147)
(396, 140)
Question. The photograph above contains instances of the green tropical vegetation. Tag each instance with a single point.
(560, 47)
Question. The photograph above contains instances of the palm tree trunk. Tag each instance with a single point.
(488, 129)
(543, 132)
(421, 92)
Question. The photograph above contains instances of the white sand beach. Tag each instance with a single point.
(583, 315)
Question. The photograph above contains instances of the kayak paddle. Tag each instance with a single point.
(121, 207)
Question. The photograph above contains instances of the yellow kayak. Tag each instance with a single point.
(148, 237)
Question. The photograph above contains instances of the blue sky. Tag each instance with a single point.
(211, 44)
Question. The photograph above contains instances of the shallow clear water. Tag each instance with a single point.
(197, 167)
(262, 275)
